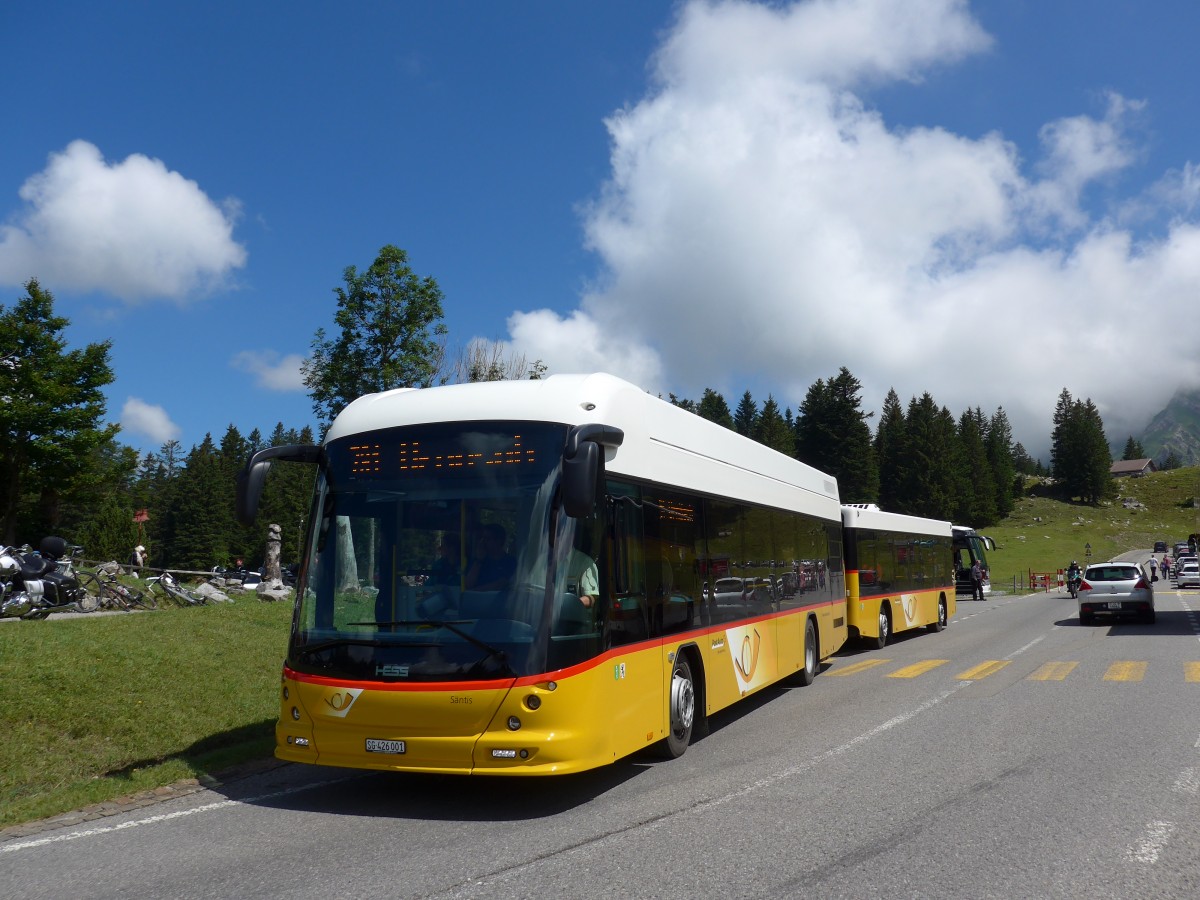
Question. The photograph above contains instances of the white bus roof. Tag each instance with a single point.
(871, 516)
(663, 443)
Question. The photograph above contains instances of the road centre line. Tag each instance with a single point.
(1032, 643)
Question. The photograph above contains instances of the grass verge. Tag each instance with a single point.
(100, 706)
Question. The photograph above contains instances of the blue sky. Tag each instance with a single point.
(934, 194)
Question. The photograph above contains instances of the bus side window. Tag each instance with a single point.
(672, 567)
(626, 620)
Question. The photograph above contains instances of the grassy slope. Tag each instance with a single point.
(105, 706)
(1044, 535)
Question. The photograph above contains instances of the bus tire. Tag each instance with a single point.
(885, 628)
(940, 623)
(681, 709)
(812, 655)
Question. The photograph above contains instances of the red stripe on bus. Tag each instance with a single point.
(569, 672)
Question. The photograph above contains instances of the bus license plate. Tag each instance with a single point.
(374, 745)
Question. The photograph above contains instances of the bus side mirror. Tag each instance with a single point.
(583, 467)
(253, 476)
(581, 478)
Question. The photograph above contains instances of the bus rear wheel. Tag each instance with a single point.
(682, 709)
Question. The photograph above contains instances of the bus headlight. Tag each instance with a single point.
(514, 724)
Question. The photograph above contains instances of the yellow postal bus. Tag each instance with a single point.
(899, 573)
(543, 577)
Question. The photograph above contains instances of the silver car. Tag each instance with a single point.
(1115, 589)
(1189, 575)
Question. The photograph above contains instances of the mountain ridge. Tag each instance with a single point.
(1175, 429)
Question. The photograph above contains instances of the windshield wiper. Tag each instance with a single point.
(337, 642)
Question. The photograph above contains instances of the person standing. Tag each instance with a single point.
(977, 581)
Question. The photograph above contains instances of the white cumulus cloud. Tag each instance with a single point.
(763, 225)
(133, 229)
(270, 369)
(148, 420)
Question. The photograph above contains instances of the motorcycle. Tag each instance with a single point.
(34, 585)
(1073, 582)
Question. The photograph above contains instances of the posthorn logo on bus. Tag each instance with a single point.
(340, 700)
(747, 661)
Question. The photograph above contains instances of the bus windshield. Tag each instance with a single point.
(435, 553)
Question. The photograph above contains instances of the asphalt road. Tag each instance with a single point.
(1017, 754)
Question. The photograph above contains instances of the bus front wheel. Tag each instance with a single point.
(940, 624)
(885, 627)
(682, 709)
(812, 654)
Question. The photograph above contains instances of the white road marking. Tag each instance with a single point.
(1149, 847)
(165, 817)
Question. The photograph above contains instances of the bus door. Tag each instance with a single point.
(635, 695)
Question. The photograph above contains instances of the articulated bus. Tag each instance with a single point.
(899, 573)
(543, 577)
(969, 546)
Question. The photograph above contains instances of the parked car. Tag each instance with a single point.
(1180, 562)
(1189, 575)
(1115, 589)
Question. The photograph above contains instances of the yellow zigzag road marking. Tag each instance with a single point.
(1126, 671)
(1123, 670)
(918, 668)
(1053, 671)
(983, 670)
(855, 668)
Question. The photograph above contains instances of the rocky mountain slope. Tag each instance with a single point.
(1175, 429)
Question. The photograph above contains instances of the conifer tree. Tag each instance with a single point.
(771, 430)
(1000, 457)
(681, 402)
(891, 452)
(745, 416)
(930, 488)
(1097, 478)
(1023, 462)
(714, 408)
(832, 435)
(977, 496)
(51, 421)
(200, 538)
(1133, 450)
(1067, 447)
(1079, 454)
